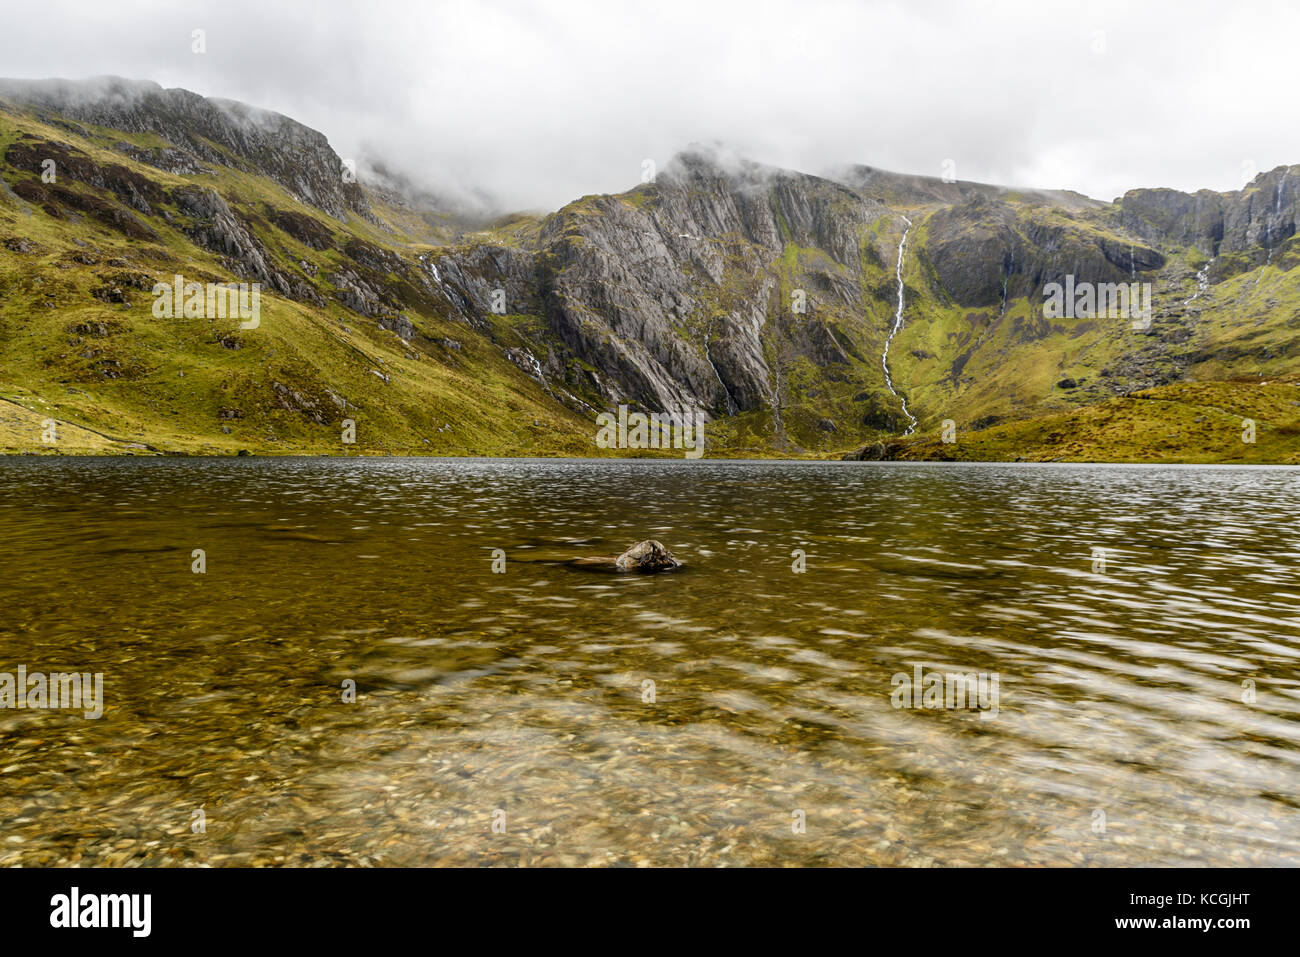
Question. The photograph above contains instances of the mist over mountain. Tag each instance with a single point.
(537, 104)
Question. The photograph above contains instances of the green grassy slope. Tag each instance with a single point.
(205, 386)
(1254, 420)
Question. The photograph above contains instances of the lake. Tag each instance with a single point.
(1132, 637)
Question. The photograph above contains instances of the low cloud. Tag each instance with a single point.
(530, 105)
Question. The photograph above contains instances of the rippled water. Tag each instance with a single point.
(521, 699)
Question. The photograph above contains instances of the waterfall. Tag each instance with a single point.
(432, 267)
(898, 324)
(1202, 281)
(1270, 228)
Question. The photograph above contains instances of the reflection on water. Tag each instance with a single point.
(1121, 736)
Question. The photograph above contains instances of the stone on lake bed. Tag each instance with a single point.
(647, 556)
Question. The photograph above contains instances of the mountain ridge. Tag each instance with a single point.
(763, 296)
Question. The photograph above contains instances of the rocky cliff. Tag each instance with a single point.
(199, 131)
(1250, 223)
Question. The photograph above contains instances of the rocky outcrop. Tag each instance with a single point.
(985, 252)
(303, 228)
(647, 557)
(65, 162)
(1256, 218)
(670, 291)
(400, 325)
(883, 451)
(1167, 215)
(375, 258)
(475, 280)
(218, 132)
(215, 227)
(62, 202)
(168, 159)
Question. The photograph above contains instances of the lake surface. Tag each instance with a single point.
(1148, 696)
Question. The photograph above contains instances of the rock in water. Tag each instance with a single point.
(647, 556)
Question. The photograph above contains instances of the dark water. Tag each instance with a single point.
(1121, 735)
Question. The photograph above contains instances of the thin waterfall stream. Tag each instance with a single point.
(898, 324)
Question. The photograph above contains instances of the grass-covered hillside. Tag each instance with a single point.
(79, 343)
(764, 298)
(1249, 421)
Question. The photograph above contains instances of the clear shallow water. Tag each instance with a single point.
(1120, 693)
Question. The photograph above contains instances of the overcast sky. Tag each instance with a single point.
(539, 103)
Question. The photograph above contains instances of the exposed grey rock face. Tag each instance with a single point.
(174, 161)
(136, 191)
(472, 281)
(298, 158)
(648, 556)
(400, 325)
(360, 294)
(680, 294)
(672, 297)
(1185, 218)
(216, 228)
(1253, 219)
(985, 251)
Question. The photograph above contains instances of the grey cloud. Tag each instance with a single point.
(529, 105)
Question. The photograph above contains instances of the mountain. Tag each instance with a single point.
(768, 298)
